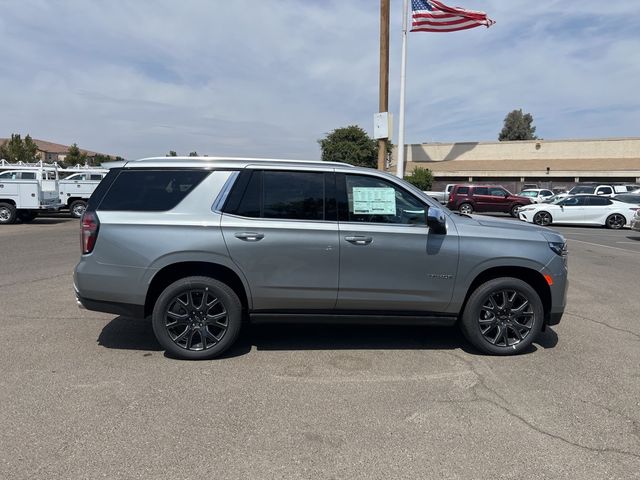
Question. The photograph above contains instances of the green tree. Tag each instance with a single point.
(98, 159)
(193, 154)
(350, 145)
(18, 150)
(172, 153)
(421, 178)
(518, 126)
(75, 156)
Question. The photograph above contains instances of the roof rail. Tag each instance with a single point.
(239, 159)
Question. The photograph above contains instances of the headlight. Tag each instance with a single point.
(560, 248)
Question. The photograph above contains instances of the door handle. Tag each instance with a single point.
(359, 240)
(249, 236)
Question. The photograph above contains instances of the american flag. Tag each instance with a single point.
(434, 16)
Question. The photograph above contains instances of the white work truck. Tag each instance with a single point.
(76, 189)
(27, 191)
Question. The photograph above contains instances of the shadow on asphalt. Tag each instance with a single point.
(637, 239)
(132, 334)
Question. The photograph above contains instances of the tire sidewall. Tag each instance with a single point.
(224, 293)
(469, 321)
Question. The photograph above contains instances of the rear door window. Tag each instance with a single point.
(283, 195)
(149, 190)
(598, 201)
(481, 191)
(604, 191)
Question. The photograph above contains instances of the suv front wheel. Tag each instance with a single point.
(503, 316)
(197, 318)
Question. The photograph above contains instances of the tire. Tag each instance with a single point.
(489, 321)
(514, 210)
(615, 221)
(77, 208)
(543, 219)
(466, 208)
(191, 330)
(7, 213)
(26, 217)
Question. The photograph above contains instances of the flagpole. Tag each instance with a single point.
(403, 81)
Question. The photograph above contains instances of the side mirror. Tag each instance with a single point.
(436, 220)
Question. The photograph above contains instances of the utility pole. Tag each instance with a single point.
(384, 75)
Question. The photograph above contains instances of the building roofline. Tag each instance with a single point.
(540, 140)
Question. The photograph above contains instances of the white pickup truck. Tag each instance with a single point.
(26, 192)
(442, 197)
(76, 189)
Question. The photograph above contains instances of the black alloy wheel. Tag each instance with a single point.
(542, 218)
(616, 221)
(503, 316)
(197, 318)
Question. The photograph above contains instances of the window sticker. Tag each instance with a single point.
(374, 201)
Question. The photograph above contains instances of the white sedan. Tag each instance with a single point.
(581, 210)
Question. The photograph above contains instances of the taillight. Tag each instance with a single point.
(89, 226)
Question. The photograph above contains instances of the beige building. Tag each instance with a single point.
(547, 163)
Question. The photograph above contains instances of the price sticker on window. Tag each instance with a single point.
(374, 201)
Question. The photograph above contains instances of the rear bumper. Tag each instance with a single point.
(124, 309)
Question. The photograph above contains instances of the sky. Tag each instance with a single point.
(270, 78)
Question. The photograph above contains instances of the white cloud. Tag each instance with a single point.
(270, 78)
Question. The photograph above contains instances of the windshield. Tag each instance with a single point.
(529, 194)
(582, 189)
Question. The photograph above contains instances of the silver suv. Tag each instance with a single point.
(202, 244)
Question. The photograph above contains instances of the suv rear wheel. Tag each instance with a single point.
(503, 316)
(197, 318)
(466, 208)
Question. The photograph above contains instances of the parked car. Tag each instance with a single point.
(485, 198)
(635, 221)
(606, 190)
(628, 198)
(199, 244)
(443, 196)
(580, 210)
(537, 195)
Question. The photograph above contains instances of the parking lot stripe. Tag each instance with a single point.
(606, 246)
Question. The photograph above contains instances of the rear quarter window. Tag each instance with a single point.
(463, 191)
(150, 190)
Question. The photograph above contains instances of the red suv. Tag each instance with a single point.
(485, 198)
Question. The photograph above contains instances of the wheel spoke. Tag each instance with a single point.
(520, 309)
(495, 339)
(505, 336)
(183, 335)
(518, 334)
(213, 319)
(211, 336)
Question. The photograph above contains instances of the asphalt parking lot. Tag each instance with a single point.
(88, 395)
